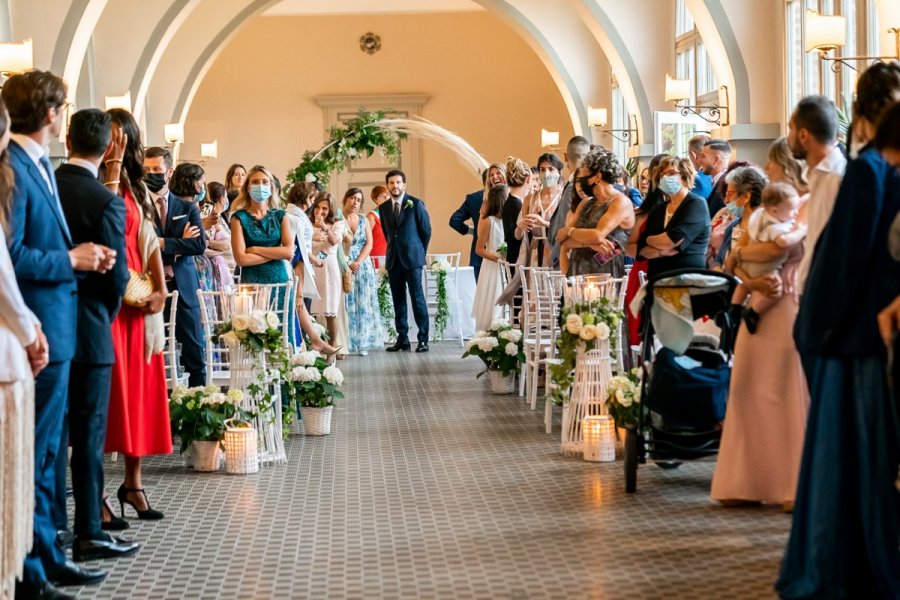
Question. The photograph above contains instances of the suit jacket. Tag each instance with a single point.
(408, 237)
(852, 276)
(97, 215)
(179, 252)
(470, 209)
(39, 245)
(716, 199)
(510, 215)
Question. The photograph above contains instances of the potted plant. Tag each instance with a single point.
(502, 350)
(198, 417)
(313, 384)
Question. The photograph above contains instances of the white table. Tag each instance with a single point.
(466, 295)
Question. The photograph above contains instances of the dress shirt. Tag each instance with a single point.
(824, 182)
(84, 164)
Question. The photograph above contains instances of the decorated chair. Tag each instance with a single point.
(430, 285)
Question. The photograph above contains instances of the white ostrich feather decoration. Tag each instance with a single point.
(423, 128)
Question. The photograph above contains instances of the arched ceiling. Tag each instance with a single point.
(172, 43)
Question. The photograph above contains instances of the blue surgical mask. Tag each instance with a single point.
(735, 210)
(670, 185)
(198, 198)
(260, 193)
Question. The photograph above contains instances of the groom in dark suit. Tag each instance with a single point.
(407, 230)
(94, 214)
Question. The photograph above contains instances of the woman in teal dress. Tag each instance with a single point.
(261, 236)
(362, 301)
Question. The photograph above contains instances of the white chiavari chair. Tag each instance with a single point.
(543, 327)
(175, 374)
(430, 285)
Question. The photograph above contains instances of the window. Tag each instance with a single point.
(691, 60)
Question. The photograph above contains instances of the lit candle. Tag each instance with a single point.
(243, 304)
(598, 433)
(591, 293)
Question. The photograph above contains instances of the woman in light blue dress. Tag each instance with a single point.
(261, 236)
(362, 301)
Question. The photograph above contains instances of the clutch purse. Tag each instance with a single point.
(138, 289)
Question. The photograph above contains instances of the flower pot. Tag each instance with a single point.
(316, 421)
(206, 456)
(502, 384)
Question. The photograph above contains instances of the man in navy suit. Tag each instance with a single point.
(180, 230)
(46, 261)
(471, 210)
(407, 230)
(714, 159)
(94, 214)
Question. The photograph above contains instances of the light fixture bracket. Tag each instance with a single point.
(717, 115)
(837, 61)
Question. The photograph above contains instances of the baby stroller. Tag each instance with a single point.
(685, 374)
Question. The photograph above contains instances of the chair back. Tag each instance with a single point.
(175, 374)
(430, 287)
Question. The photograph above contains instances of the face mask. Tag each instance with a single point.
(670, 185)
(735, 210)
(155, 181)
(549, 179)
(586, 186)
(260, 193)
(199, 197)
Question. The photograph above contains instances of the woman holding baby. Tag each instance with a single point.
(768, 402)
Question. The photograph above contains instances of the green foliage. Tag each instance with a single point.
(359, 136)
(632, 168)
(439, 269)
(385, 303)
(624, 399)
(311, 382)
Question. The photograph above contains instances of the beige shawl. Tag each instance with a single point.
(154, 328)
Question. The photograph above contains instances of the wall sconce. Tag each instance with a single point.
(16, 57)
(210, 150)
(597, 118)
(829, 32)
(680, 89)
(123, 101)
(175, 137)
(549, 139)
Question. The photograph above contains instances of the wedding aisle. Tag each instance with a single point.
(429, 487)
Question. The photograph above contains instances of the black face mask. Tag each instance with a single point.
(155, 181)
(586, 187)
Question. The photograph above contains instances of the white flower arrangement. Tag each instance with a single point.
(500, 348)
(305, 359)
(309, 178)
(624, 398)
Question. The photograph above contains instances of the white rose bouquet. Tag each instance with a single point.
(624, 399)
(258, 331)
(501, 348)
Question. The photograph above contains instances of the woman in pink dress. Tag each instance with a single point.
(768, 402)
(138, 422)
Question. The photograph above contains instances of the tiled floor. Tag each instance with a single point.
(430, 487)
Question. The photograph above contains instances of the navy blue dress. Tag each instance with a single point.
(846, 526)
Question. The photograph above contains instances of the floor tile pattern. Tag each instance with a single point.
(431, 487)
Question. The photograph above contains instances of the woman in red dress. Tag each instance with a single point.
(138, 422)
(379, 244)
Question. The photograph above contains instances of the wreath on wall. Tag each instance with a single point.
(362, 135)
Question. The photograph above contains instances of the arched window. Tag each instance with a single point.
(691, 60)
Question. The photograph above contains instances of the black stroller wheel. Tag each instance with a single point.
(668, 465)
(631, 460)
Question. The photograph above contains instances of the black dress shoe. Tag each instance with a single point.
(72, 574)
(397, 347)
(111, 547)
(40, 591)
(64, 538)
(422, 347)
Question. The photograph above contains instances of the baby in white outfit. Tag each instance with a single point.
(776, 222)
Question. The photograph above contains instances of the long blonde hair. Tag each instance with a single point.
(780, 154)
(243, 199)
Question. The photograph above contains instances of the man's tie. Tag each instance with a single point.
(48, 170)
(161, 205)
(397, 211)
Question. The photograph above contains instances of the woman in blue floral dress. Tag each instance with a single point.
(362, 301)
(261, 236)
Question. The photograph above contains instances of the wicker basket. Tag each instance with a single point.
(502, 384)
(206, 456)
(316, 421)
(241, 449)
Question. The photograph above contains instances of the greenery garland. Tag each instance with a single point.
(582, 326)
(347, 143)
(385, 303)
(439, 269)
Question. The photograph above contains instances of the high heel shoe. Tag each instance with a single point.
(115, 523)
(149, 514)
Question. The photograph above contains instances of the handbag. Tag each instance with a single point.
(347, 281)
(138, 289)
